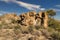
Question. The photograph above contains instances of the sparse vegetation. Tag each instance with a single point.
(21, 31)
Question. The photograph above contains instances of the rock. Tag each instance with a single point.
(35, 19)
(24, 26)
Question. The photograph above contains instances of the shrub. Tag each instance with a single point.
(55, 35)
(54, 24)
(30, 29)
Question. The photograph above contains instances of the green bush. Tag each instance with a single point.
(54, 24)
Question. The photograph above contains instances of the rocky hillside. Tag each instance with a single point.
(24, 27)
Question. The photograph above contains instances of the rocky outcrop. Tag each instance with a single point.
(35, 19)
(27, 19)
(26, 26)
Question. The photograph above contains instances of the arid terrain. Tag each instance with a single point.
(29, 26)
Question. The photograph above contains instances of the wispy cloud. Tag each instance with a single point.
(26, 5)
(8, 0)
(4, 12)
(57, 5)
(55, 9)
(42, 9)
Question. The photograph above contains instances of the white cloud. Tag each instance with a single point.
(26, 5)
(8, 0)
(0, 14)
(58, 10)
(57, 5)
(42, 9)
(4, 12)
(55, 9)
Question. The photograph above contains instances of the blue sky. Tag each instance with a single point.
(20, 6)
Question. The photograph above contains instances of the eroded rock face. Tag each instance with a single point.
(27, 19)
(22, 27)
(35, 19)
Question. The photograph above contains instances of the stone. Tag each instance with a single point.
(35, 19)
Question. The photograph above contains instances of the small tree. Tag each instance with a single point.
(51, 13)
